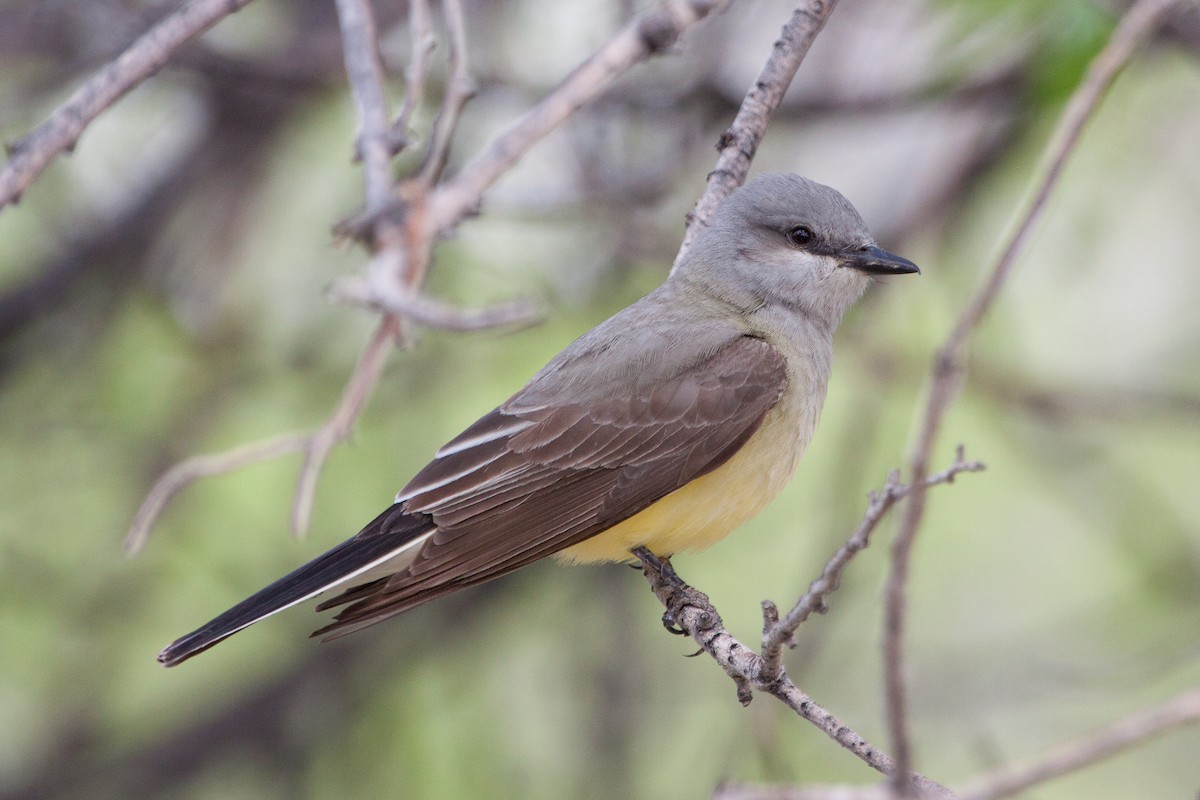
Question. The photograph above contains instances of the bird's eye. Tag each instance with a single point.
(800, 235)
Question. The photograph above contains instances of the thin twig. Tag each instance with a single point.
(646, 36)
(693, 613)
(62, 129)
(364, 70)
(423, 44)
(1133, 28)
(779, 632)
(740, 141)
(460, 88)
(401, 245)
(185, 472)
(740, 791)
(315, 446)
(1182, 709)
(425, 310)
(339, 425)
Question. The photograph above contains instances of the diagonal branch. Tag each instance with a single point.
(460, 88)
(646, 36)
(1182, 709)
(1133, 29)
(691, 611)
(423, 43)
(740, 141)
(364, 70)
(341, 423)
(778, 632)
(31, 154)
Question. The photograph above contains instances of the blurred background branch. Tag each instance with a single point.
(401, 242)
(1136, 25)
(29, 155)
(163, 292)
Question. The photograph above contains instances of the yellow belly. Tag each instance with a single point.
(707, 509)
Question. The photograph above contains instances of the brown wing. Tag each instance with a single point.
(526, 481)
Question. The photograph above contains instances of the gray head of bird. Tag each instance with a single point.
(785, 240)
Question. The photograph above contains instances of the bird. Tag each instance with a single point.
(660, 430)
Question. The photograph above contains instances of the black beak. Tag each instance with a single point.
(875, 261)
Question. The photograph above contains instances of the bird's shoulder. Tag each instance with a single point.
(636, 373)
(649, 343)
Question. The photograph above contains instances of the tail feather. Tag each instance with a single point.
(391, 535)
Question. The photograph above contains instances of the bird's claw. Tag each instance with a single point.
(672, 625)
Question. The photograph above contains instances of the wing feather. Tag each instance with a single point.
(527, 481)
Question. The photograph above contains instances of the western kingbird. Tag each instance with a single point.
(664, 427)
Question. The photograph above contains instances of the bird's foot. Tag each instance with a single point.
(674, 593)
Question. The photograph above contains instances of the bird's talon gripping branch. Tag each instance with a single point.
(675, 594)
(672, 625)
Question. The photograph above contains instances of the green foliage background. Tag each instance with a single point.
(1055, 592)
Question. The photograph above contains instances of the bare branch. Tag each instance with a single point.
(740, 141)
(31, 154)
(644, 37)
(364, 70)
(736, 791)
(460, 88)
(315, 446)
(402, 242)
(1182, 709)
(339, 425)
(423, 43)
(392, 263)
(777, 632)
(691, 612)
(365, 73)
(1133, 28)
(432, 313)
(185, 472)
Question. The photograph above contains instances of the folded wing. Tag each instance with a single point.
(536, 476)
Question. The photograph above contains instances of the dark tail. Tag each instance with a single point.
(381, 540)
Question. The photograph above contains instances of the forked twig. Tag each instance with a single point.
(778, 632)
(197, 467)
(401, 227)
(315, 446)
(341, 423)
(693, 613)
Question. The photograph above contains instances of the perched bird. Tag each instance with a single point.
(664, 427)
